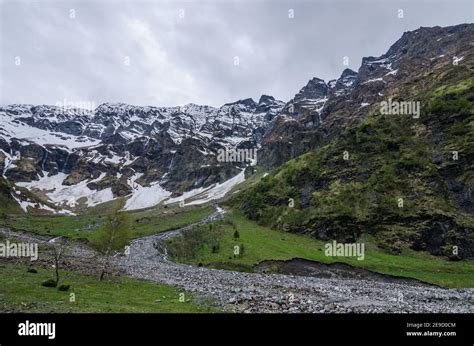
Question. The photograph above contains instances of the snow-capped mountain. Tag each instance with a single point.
(146, 155)
(76, 158)
(310, 99)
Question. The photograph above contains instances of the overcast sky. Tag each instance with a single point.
(167, 53)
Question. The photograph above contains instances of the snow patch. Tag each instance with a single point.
(13, 128)
(146, 197)
(69, 194)
(203, 195)
(373, 80)
(393, 72)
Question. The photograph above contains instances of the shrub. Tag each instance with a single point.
(49, 283)
(215, 248)
(236, 234)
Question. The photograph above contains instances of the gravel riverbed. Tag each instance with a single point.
(256, 292)
(260, 293)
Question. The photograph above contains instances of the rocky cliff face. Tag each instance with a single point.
(116, 150)
(323, 111)
(389, 154)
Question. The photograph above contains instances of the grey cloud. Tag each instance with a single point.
(177, 60)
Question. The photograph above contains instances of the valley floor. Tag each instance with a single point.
(234, 291)
(252, 292)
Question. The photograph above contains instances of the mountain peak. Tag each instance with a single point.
(315, 89)
(348, 72)
(246, 102)
(266, 99)
(315, 81)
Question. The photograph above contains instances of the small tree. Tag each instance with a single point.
(114, 236)
(236, 234)
(60, 247)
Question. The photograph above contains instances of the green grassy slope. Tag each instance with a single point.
(214, 246)
(85, 226)
(21, 291)
(390, 159)
(8, 205)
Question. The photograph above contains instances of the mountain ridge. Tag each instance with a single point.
(174, 149)
(404, 178)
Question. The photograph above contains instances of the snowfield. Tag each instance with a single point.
(206, 194)
(146, 197)
(141, 197)
(69, 195)
(14, 128)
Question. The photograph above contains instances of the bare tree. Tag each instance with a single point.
(60, 247)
